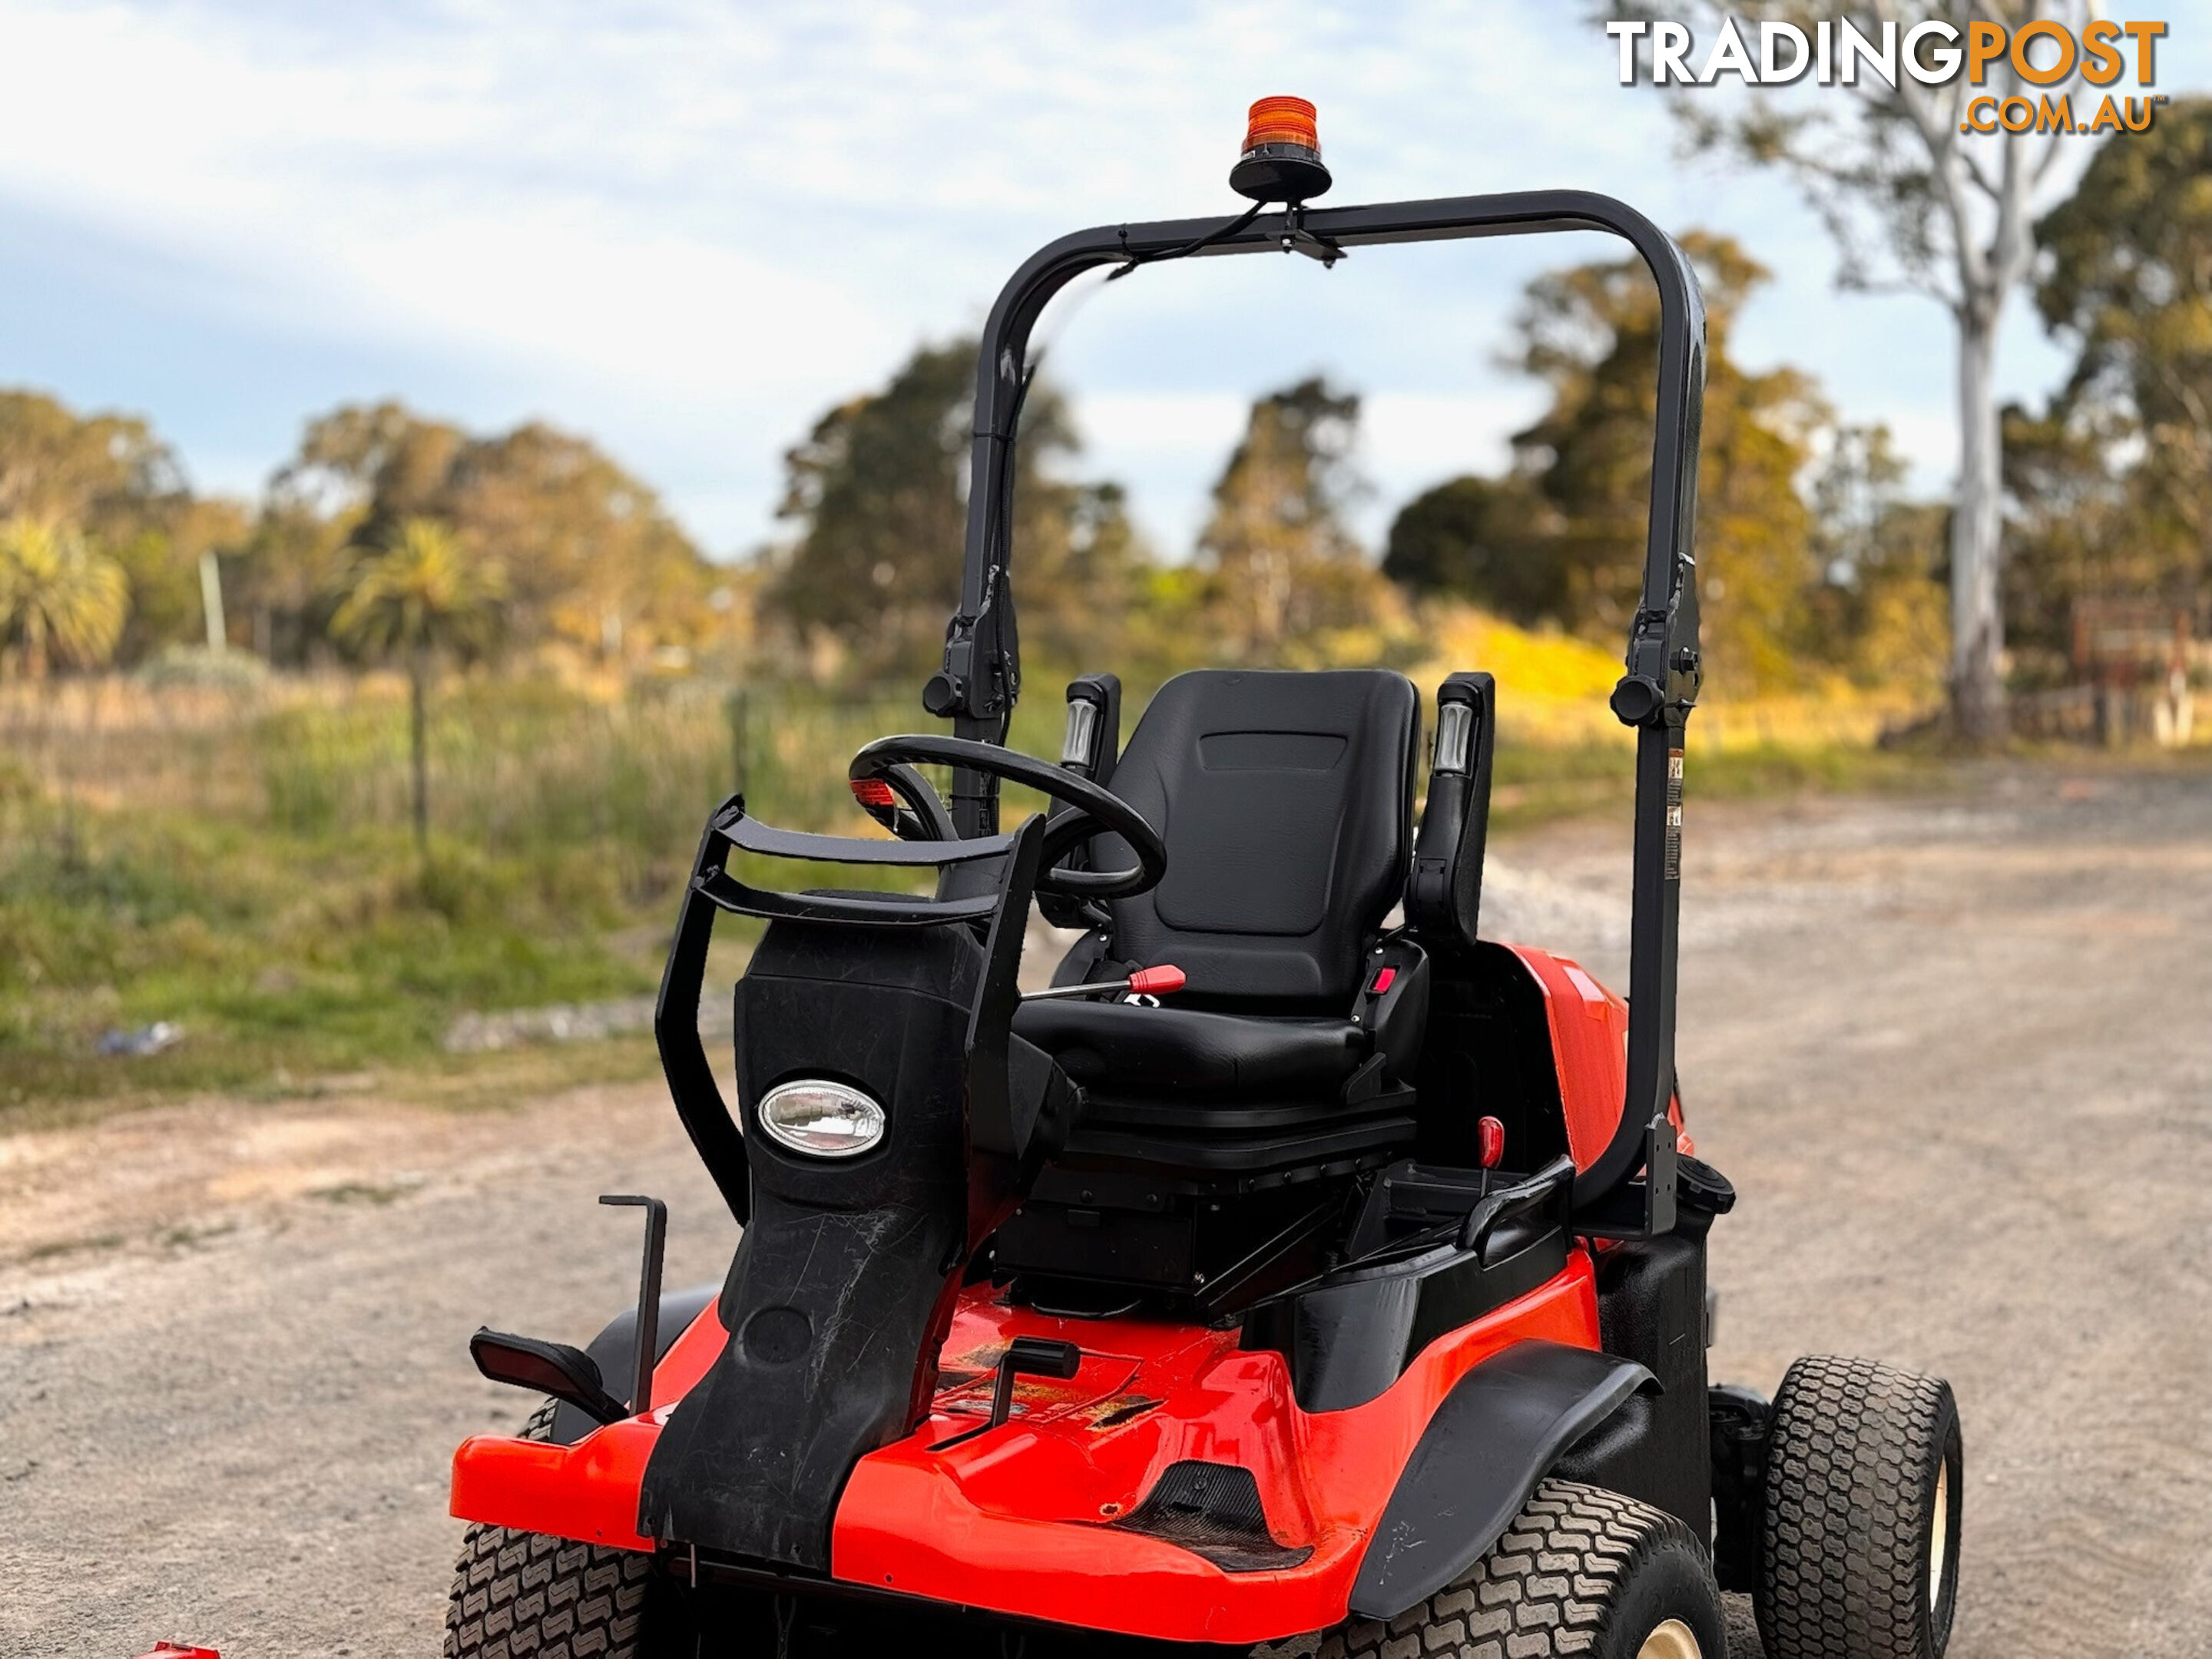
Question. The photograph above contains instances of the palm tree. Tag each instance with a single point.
(59, 598)
(420, 597)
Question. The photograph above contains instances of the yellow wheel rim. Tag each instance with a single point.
(1671, 1640)
(1938, 1538)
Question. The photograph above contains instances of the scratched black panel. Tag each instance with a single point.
(845, 1275)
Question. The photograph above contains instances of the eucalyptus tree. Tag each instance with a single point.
(1920, 194)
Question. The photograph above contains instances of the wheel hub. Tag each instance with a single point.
(1939, 1537)
(1672, 1639)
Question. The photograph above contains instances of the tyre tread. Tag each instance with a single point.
(1842, 1571)
(1543, 1591)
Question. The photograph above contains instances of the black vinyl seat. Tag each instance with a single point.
(1286, 801)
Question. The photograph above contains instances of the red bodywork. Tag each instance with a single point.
(1021, 1520)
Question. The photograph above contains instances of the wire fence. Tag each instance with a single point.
(516, 765)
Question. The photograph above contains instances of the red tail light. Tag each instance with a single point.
(874, 792)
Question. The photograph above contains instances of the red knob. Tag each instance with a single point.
(1156, 981)
(1489, 1142)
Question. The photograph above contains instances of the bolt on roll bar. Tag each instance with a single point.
(980, 679)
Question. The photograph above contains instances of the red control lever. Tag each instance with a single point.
(1145, 981)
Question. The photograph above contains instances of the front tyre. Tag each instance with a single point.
(527, 1595)
(1864, 1482)
(1580, 1571)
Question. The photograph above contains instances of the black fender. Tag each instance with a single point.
(614, 1350)
(1490, 1444)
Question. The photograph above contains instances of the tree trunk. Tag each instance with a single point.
(1978, 697)
(418, 673)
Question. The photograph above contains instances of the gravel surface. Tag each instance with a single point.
(1955, 1055)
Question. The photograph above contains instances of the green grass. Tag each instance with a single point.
(277, 952)
(255, 882)
(290, 927)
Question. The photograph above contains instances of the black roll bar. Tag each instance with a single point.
(981, 676)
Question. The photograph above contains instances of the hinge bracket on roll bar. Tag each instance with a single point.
(1642, 1208)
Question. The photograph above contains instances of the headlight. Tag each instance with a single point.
(820, 1119)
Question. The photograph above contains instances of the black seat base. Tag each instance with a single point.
(1209, 1208)
(1267, 1145)
(1131, 1048)
(1211, 1256)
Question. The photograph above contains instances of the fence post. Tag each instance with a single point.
(737, 707)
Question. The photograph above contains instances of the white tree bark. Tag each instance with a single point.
(1960, 231)
(1991, 251)
(1977, 545)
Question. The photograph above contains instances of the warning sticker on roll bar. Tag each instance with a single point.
(1674, 815)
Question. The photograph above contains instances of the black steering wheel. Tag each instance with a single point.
(889, 763)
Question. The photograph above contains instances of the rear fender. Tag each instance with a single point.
(1494, 1438)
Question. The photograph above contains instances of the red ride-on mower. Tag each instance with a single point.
(1290, 1279)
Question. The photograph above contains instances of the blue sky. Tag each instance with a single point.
(686, 229)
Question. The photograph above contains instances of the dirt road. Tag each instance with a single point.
(1955, 1054)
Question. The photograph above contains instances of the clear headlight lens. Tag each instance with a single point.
(821, 1118)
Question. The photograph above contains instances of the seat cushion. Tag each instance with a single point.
(1120, 1047)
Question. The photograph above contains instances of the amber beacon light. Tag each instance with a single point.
(1281, 161)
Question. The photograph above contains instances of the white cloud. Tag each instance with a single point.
(1173, 442)
(1413, 440)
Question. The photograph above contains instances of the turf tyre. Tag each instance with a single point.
(527, 1595)
(1581, 1571)
(1859, 1556)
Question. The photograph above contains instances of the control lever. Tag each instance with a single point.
(1029, 1356)
(648, 1332)
(1145, 981)
(1489, 1149)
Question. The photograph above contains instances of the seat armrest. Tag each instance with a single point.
(1090, 749)
(1443, 894)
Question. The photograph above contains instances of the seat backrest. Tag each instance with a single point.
(1287, 802)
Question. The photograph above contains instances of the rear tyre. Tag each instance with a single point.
(1581, 1571)
(526, 1595)
(1860, 1557)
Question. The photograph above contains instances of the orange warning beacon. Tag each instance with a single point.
(1281, 161)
